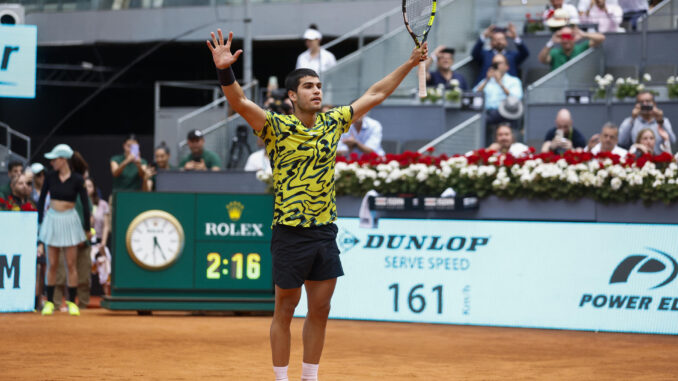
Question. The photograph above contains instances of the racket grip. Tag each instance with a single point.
(422, 79)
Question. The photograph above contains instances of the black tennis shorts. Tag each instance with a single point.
(301, 254)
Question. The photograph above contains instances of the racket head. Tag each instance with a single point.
(418, 16)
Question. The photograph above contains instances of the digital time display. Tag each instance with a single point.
(239, 266)
(233, 266)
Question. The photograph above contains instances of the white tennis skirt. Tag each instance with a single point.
(61, 229)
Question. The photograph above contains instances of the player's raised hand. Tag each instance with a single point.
(221, 53)
(419, 54)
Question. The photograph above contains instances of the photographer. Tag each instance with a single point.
(278, 102)
(199, 159)
(563, 137)
(499, 45)
(646, 114)
(129, 168)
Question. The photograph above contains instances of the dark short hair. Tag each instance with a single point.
(13, 164)
(163, 147)
(293, 78)
(130, 137)
(641, 92)
(448, 50)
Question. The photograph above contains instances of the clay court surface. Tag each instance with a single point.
(106, 345)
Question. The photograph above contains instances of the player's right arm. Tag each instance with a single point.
(223, 59)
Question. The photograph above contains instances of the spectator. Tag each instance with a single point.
(570, 46)
(555, 5)
(646, 144)
(505, 143)
(38, 180)
(606, 141)
(315, 57)
(161, 163)
(444, 74)
(258, 160)
(498, 45)
(128, 169)
(61, 227)
(607, 16)
(14, 168)
(99, 254)
(584, 5)
(19, 190)
(200, 159)
(563, 136)
(496, 87)
(364, 136)
(646, 114)
(633, 11)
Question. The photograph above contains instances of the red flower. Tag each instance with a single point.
(28, 207)
(430, 149)
(663, 157)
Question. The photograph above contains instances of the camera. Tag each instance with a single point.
(646, 107)
(276, 102)
(495, 66)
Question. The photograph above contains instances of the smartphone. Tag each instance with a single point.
(499, 29)
(197, 158)
(646, 107)
(134, 150)
(273, 82)
(495, 66)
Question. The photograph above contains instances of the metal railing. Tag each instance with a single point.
(467, 136)
(664, 16)
(7, 152)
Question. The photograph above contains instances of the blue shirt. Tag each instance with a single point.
(437, 79)
(494, 94)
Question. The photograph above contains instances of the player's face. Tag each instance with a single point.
(309, 94)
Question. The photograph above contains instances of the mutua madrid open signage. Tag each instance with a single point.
(585, 276)
(18, 235)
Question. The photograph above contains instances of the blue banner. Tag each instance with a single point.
(18, 251)
(584, 276)
(18, 55)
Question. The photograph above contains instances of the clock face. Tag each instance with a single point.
(155, 239)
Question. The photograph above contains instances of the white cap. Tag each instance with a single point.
(37, 168)
(312, 34)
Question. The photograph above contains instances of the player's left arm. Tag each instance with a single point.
(382, 89)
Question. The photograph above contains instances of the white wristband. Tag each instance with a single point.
(550, 44)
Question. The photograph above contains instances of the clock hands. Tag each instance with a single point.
(156, 244)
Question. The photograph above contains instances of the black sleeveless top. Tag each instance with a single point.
(68, 190)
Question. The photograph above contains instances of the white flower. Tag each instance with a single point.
(377, 183)
(598, 78)
(615, 183)
(608, 77)
(671, 80)
(454, 82)
(640, 87)
(620, 81)
(647, 77)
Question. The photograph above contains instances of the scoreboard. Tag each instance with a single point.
(185, 251)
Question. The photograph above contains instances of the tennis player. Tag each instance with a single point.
(302, 149)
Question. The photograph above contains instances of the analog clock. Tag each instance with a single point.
(155, 240)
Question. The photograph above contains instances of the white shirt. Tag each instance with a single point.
(320, 63)
(584, 5)
(571, 10)
(607, 21)
(369, 135)
(617, 150)
(518, 149)
(258, 161)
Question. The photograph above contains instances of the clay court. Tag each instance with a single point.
(106, 345)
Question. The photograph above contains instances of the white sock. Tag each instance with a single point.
(280, 373)
(309, 372)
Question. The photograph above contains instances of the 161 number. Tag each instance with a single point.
(415, 300)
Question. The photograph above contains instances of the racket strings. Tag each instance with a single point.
(418, 13)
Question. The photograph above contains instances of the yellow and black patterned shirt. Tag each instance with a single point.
(303, 165)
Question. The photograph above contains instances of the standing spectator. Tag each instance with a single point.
(315, 57)
(38, 180)
(646, 144)
(633, 11)
(200, 159)
(161, 163)
(128, 169)
(556, 5)
(505, 143)
(584, 5)
(608, 17)
(364, 136)
(571, 45)
(259, 160)
(496, 87)
(646, 114)
(498, 45)
(444, 74)
(563, 136)
(99, 254)
(606, 141)
(14, 168)
(60, 225)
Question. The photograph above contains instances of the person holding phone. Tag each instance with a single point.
(497, 37)
(563, 137)
(129, 168)
(572, 40)
(200, 159)
(646, 114)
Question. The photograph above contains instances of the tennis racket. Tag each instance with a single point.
(418, 16)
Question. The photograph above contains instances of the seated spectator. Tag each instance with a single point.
(606, 141)
(555, 5)
(20, 192)
(607, 16)
(646, 144)
(504, 142)
(129, 168)
(633, 11)
(161, 162)
(563, 136)
(646, 114)
(444, 74)
(498, 45)
(200, 159)
(14, 168)
(571, 45)
(364, 136)
(258, 160)
(315, 57)
(496, 87)
(38, 179)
